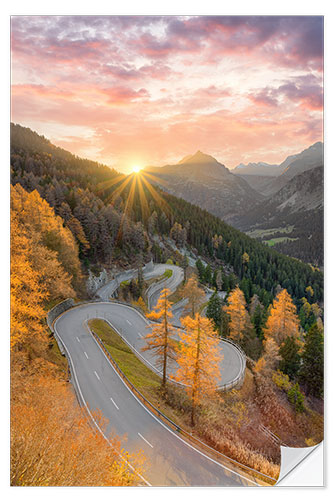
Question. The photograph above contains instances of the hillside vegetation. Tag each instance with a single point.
(116, 221)
(52, 443)
(70, 216)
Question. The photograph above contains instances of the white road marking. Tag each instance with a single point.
(97, 375)
(91, 416)
(145, 440)
(129, 322)
(115, 404)
(77, 338)
(140, 334)
(86, 355)
(161, 423)
(145, 408)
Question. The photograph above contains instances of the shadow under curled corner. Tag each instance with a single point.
(302, 466)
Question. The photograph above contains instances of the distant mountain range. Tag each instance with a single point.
(302, 193)
(202, 180)
(293, 218)
(280, 204)
(260, 168)
(291, 166)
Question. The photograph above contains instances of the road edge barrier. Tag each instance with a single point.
(158, 413)
(72, 377)
(67, 304)
(53, 314)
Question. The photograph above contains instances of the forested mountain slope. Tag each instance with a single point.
(293, 218)
(116, 219)
(296, 164)
(202, 180)
(52, 443)
(269, 179)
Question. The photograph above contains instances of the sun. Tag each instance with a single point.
(136, 169)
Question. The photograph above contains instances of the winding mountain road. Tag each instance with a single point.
(149, 271)
(171, 460)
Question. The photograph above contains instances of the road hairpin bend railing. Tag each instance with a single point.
(220, 456)
(68, 304)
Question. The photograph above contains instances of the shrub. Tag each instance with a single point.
(296, 398)
(281, 380)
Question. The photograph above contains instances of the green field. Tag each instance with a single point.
(168, 273)
(262, 233)
(273, 241)
(144, 379)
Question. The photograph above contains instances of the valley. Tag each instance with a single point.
(167, 301)
(116, 241)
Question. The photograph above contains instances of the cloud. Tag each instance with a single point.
(164, 86)
(304, 91)
(264, 97)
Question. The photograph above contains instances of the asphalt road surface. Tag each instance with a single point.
(171, 460)
(171, 283)
(158, 270)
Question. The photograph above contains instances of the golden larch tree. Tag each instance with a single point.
(40, 271)
(47, 229)
(160, 339)
(238, 315)
(270, 358)
(198, 358)
(141, 304)
(27, 293)
(194, 295)
(282, 321)
(54, 444)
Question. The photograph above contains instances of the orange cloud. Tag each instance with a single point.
(242, 88)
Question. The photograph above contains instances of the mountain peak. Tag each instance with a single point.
(198, 157)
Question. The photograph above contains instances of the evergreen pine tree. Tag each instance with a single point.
(208, 275)
(201, 270)
(296, 398)
(140, 281)
(214, 311)
(312, 369)
(291, 360)
(258, 320)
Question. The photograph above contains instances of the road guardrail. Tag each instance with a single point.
(67, 304)
(190, 437)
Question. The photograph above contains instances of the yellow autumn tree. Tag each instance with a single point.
(245, 258)
(141, 304)
(27, 292)
(77, 230)
(270, 358)
(239, 317)
(37, 271)
(194, 295)
(198, 358)
(282, 321)
(160, 338)
(53, 443)
(44, 227)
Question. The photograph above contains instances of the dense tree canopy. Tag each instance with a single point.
(88, 197)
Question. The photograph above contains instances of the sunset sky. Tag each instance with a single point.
(142, 91)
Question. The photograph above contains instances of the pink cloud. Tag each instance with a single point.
(305, 91)
(161, 87)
